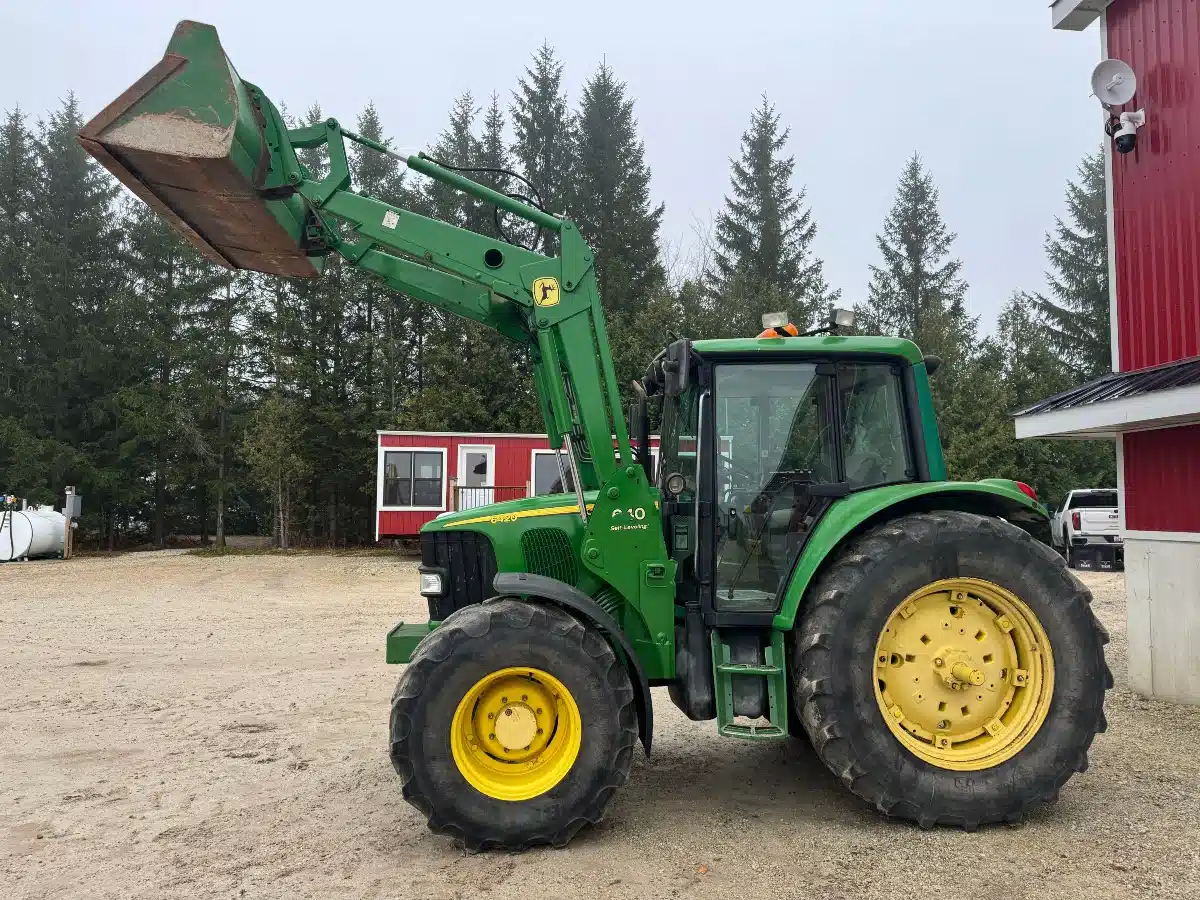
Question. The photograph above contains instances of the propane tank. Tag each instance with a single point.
(31, 532)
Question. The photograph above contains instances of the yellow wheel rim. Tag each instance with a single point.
(516, 733)
(964, 674)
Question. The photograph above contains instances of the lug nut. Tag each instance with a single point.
(508, 712)
(938, 662)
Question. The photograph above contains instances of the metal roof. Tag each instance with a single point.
(1122, 386)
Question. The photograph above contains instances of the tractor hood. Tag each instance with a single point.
(526, 508)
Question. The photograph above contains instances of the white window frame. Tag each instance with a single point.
(489, 450)
(531, 490)
(379, 480)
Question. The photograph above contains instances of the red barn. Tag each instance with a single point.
(1150, 405)
(421, 474)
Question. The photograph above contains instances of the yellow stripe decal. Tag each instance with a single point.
(497, 518)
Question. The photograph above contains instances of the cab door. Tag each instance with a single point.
(773, 447)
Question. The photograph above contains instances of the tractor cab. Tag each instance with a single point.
(758, 446)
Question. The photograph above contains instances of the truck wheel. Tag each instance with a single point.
(949, 669)
(1068, 552)
(513, 725)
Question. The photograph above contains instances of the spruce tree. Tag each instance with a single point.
(762, 261)
(169, 286)
(17, 184)
(1076, 313)
(474, 379)
(21, 452)
(612, 195)
(542, 125)
(918, 292)
(1033, 371)
(379, 176)
(74, 357)
(457, 146)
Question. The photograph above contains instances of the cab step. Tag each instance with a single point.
(771, 669)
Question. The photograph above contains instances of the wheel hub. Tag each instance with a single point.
(516, 733)
(958, 669)
(516, 727)
(964, 673)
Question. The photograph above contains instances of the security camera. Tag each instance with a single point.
(1124, 129)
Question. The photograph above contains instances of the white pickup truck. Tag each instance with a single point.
(1086, 529)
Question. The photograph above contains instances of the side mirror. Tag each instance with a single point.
(676, 367)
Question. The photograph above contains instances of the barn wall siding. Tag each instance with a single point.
(1156, 188)
(1162, 479)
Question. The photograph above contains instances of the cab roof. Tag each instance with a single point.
(821, 343)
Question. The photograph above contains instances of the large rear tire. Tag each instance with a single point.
(513, 725)
(949, 670)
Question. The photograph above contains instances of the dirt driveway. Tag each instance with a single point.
(184, 727)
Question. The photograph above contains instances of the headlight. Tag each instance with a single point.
(431, 584)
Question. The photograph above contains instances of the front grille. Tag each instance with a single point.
(548, 552)
(469, 562)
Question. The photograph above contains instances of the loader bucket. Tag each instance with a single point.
(189, 141)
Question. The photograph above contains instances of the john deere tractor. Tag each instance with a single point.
(797, 563)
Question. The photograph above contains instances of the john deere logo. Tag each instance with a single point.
(545, 291)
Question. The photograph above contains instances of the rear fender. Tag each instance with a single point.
(573, 600)
(865, 509)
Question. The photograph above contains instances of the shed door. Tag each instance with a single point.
(476, 476)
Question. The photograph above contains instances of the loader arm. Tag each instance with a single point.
(491, 282)
(212, 155)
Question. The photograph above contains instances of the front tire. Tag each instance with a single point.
(513, 725)
(911, 601)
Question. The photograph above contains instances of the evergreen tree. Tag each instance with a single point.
(612, 195)
(72, 360)
(18, 176)
(169, 286)
(473, 378)
(457, 146)
(379, 309)
(542, 124)
(1033, 371)
(1076, 314)
(918, 292)
(763, 260)
(21, 452)
(491, 153)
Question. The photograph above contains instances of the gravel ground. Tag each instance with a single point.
(181, 726)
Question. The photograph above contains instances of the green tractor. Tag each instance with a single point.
(798, 565)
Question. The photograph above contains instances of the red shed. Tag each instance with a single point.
(420, 474)
(1150, 405)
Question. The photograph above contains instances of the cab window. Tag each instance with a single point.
(874, 440)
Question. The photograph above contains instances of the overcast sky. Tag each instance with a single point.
(995, 101)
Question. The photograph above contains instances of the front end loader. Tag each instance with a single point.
(797, 564)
